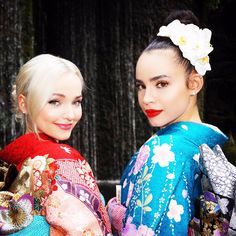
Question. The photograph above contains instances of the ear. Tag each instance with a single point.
(22, 103)
(195, 83)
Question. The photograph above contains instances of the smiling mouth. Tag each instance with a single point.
(64, 126)
(152, 113)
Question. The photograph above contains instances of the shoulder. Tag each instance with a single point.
(175, 146)
(173, 139)
(56, 150)
(44, 145)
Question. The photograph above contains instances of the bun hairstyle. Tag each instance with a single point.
(185, 17)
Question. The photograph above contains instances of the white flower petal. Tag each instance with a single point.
(175, 211)
(184, 193)
(184, 127)
(170, 176)
(193, 42)
(196, 157)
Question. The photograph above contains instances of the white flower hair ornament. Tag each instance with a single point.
(193, 42)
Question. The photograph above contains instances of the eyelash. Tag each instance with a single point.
(54, 102)
(162, 84)
(77, 103)
(139, 86)
(159, 84)
(57, 103)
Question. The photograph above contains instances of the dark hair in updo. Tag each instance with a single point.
(185, 17)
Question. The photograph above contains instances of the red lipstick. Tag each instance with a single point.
(152, 113)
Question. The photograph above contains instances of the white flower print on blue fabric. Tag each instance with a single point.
(163, 155)
(175, 211)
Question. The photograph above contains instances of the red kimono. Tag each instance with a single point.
(62, 186)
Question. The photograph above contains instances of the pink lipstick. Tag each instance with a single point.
(152, 113)
(64, 126)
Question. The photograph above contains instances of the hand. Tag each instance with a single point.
(116, 212)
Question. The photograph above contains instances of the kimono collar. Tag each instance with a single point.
(197, 133)
(24, 146)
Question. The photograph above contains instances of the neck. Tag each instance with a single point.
(191, 115)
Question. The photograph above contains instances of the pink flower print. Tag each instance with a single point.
(143, 230)
(184, 193)
(217, 232)
(141, 158)
(130, 229)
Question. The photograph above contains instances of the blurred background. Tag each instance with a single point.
(104, 38)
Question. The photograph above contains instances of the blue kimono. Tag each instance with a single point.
(162, 181)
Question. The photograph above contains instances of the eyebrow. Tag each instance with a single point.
(155, 78)
(62, 95)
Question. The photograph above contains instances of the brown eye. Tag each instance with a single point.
(139, 86)
(78, 102)
(161, 84)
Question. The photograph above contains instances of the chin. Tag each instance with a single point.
(62, 137)
(154, 124)
(157, 124)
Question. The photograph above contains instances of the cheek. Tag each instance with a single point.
(176, 102)
(48, 112)
(44, 115)
(140, 99)
(52, 114)
(78, 113)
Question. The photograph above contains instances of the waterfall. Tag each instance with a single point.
(14, 25)
(104, 38)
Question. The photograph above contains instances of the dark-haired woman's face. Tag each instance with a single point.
(162, 91)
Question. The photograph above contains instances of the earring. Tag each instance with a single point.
(193, 94)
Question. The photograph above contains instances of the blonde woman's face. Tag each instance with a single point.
(162, 91)
(63, 109)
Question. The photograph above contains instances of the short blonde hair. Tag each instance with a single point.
(35, 81)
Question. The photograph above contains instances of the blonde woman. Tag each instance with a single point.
(58, 194)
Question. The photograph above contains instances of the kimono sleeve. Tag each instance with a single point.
(162, 184)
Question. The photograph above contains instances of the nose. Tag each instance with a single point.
(69, 113)
(149, 96)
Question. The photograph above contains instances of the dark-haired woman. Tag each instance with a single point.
(162, 181)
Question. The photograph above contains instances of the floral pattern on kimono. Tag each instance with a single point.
(62, 184)
(163, 180)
